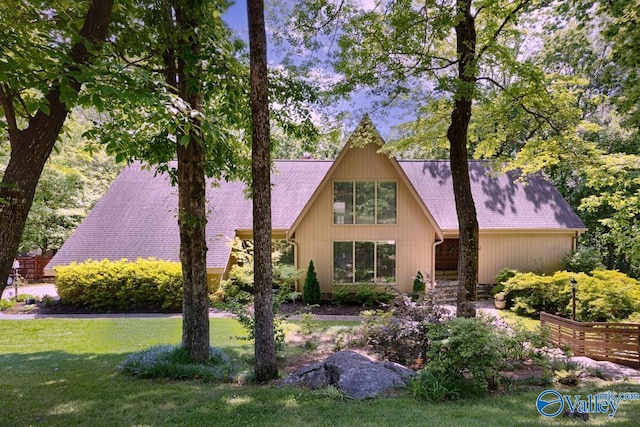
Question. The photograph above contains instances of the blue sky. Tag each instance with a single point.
(236, 17)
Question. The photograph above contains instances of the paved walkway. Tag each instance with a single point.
(607, 369)
(37, 290)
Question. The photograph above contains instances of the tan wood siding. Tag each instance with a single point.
(523, 251)
(412, 233)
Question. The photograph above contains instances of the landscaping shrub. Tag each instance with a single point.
(583, 260)
(6, 304)
(236, 294)
(171, 362)
(419, 285)
(528, 294)
(465, 357)
(26, 297)
(311, 290)
(401, 334)
(605, 295)
(503, 275)
(471, 350)
(365, 295)
(121, 285)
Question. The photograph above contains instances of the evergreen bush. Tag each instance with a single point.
(583, 260)
(311, 290)
(121, 285)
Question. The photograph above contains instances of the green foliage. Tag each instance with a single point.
(25, 297)
(583, 260)
(464, 357)
(236, 293)
(239, 285)
(73, 180)
(173, 363)
(311, 291)
(503, 275)
(121, 285)
(306, 323)
(605, 295)
(435, 386)
(419, 284)
(6, 304)
(365, 295)
(401, 335)
(470, 350)
(528, 294)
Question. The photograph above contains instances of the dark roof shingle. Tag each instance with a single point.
(136, 218)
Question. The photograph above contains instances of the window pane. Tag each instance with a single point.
(343, 202)
(343, 262)
(365, 202)
(364, 262)
(386, 262)
(386, 202)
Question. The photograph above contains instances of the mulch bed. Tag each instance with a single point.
(287, 308)
(325, 308)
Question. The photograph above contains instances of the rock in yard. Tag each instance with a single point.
(353, 374)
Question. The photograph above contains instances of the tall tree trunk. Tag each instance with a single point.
(457, 135)
(31, 147)
(265, 348)
(192, 218)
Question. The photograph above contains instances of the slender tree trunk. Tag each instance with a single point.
(457, 135)
(265, 348)
(31, 147)
(192, 218)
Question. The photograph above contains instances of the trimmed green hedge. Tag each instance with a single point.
(604, 295)
(121, 285)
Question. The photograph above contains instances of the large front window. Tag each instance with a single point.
(364, 262)
(364, 202)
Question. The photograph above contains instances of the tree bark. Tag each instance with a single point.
(265, 349)
(31, 147)
(192, 218)
(457, 135)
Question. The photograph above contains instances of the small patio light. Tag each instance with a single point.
(574, 288)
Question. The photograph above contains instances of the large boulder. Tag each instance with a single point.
(353, 374)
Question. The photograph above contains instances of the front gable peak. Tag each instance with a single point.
(369, 164)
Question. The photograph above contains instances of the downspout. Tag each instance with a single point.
(433, 263)
(295, 257)
(575, 241)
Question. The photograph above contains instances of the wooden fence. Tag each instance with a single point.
(32, 268)
(613, 342)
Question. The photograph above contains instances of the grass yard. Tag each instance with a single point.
(64, 372)
(513, 319)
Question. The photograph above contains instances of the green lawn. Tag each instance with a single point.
(64, 372)
(513, 319)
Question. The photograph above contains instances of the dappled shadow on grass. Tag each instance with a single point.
(59, 389)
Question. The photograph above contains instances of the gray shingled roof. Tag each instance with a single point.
(136, 218)
(502, 202)
(137, 215)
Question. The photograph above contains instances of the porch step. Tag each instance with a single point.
(446, 291)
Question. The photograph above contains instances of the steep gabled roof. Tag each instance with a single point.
(502, 202)
(365, 133)
(136, 218)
